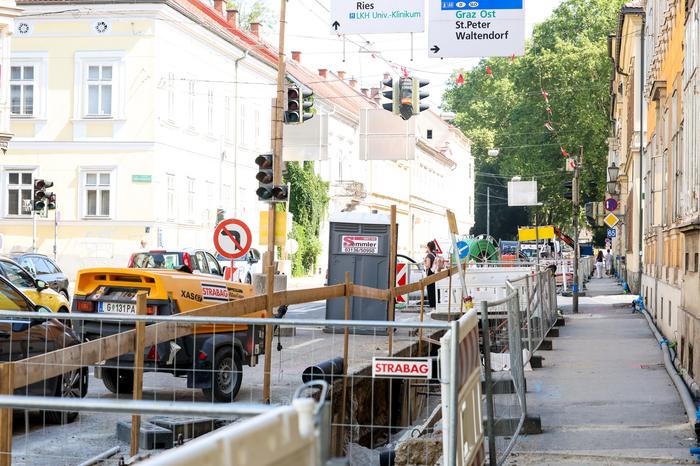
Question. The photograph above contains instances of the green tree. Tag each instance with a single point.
(252, 11)
(308, 203)
(566, 57)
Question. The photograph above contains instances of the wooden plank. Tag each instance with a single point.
(269, 289)
(359, 291)
(138, 369)
(308, 295)
(410, 288)
(6, 388)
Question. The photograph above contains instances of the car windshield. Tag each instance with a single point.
(10, 300)
(157, 260)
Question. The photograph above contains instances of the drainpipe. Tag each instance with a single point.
(236, 135)
(641, 150)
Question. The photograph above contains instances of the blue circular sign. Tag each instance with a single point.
(462, 249)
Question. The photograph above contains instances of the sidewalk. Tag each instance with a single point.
(603, 394)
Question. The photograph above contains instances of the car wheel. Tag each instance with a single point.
(227, 373)
(119, 381)
(71, 385)
(67, 322)
(248, 279)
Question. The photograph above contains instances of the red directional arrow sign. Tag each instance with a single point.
(232, 238)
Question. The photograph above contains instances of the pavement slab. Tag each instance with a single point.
(603, 394)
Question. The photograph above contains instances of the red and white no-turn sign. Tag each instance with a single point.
(232, 238)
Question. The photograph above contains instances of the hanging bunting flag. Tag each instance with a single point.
(404, 71)
(545, 94)
(489, 72)
(549, 126)
(564, 152)
(460, 79)
(512, 58)
(549, 110)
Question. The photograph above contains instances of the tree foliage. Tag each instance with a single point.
(308, 202)
(252, 11)
(567, 57)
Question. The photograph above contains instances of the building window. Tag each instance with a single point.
(258, 142)
(171, 97)
(227, 117)
(22, 90)
(429, 134)
(210, 112)
(19, 192)
(243, 135)
(191, 102)
(170, 184)
(99, 90)
(97, 187)
(190, 199)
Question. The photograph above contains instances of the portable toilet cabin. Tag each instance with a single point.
(359, 244)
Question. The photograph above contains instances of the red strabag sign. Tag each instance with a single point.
(411, 368)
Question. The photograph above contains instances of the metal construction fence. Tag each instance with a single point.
(159, 366)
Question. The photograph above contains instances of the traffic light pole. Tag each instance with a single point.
(33, 229)
(277, 134)
(577, 203)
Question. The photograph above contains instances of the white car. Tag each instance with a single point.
(244, 267)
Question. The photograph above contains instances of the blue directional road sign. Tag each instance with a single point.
(463, 249)
(612, 233)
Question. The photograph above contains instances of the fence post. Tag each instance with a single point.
(346, 336)
(529, 313)
(392, 277)
(6, 388)
(540, 300)
(454, 392)
(420, 330)
(138, 369)
(269, 288)
(490, 416)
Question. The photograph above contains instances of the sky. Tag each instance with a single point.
(363, 56)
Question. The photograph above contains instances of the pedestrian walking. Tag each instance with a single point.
(430, 269)
(599, 264)
(608, 262)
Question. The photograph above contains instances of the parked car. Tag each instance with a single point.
(211, 358)
(199, 261)
(23, 338)
(43, 268)
(245, 266)
(37, 290)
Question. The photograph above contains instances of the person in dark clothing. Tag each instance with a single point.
(429, 263)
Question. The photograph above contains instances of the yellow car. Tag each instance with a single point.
(211, 358)
(36, 290)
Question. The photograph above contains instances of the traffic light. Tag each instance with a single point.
(280, 194)
(406, 99)
(419, 95)
(590, 213)
(392, 95)
(264, 176)
(298, 105)
(40, 194)
(51, 197)
(569, 190)
(405, 96)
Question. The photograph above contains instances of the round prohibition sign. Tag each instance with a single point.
(232, 238)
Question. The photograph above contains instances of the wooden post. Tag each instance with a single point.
(346, 336)
(6, 388)
(392, 276)
(449, 294)
(269, 290)
(138, 369)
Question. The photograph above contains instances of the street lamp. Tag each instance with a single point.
(493, 152)
(612, 187)
(613, 171)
